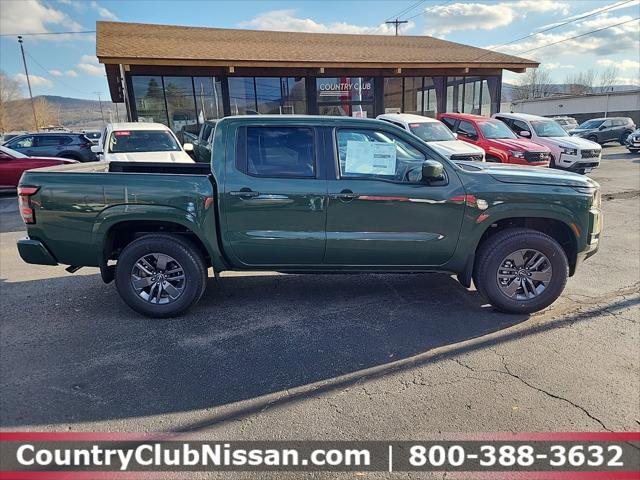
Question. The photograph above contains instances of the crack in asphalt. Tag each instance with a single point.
(621, 195)
(552, 395)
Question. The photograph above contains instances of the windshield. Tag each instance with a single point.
(431, 131)
(591, 124)
(124, 141)
(12, 153)
(495, 129)
(548, 128)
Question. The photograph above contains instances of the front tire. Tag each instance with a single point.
(594, 139)
(520, 270)
(160, 275)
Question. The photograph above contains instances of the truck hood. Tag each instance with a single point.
(573, 142)
(582, 131)
(150, 157)
(518, 144)
(454, 147)
(507, 173)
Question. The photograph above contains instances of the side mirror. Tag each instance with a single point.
(455, 134)
(602, 127)
(188, 147)
(96, 148)
(472, 136)
(525, 134)
(432, 170)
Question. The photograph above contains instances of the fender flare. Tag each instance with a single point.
(114, 215)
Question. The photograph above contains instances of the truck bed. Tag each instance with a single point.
(77, 203)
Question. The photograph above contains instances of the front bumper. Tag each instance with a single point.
(34, 251)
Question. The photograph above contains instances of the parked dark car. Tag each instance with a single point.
(202, 142)
(13, 164)
(74, 146)
(603, 130)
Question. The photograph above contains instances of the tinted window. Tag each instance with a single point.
(280, 152)
(379, 155)
(142, 141)
(52, 140)
(520, 126)
(206, 130)
(449, 122)
(591, 124)
(466, 128)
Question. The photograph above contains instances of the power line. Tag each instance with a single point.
(55, 79)
(578, 36)
(533, 34)
(47, 33)
(429, 9)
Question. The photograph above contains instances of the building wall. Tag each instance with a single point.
(616, 104)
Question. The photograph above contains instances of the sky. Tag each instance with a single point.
(66, 65)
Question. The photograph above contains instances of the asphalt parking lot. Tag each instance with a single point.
(267, 356)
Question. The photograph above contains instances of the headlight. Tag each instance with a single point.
(516, 153)
(596, 196)
(569, 150)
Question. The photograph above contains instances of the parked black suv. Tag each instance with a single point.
(603, 130)
(59, 144)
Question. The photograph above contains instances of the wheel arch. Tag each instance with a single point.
(118, 226)
(557, 229)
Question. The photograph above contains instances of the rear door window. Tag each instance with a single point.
(279, 152)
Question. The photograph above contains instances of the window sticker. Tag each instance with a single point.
(371, 158)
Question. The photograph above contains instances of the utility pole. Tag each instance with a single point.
(101, 112)
(397, 23)
(26, 72)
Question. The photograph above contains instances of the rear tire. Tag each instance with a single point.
(497, 268)
(161, 275)
(623, 138)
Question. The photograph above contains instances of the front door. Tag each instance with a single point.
(275, 198)
(380, 212)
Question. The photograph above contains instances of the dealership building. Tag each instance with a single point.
(182, 76)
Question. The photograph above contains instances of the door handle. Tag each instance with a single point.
(345, 195)
(245, 193)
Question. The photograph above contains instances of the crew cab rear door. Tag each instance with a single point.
(275, 197)
(380, 213)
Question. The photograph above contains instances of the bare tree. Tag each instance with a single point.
(9, 91)
(535, 83)
(46, 113)
(581, 83)
(608, 78)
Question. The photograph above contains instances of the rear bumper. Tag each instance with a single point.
(34, 251)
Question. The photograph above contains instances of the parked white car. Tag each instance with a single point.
(141, 142)
(436, 134)
(567, 153)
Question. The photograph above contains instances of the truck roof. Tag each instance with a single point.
(407, 117)
(138, 126)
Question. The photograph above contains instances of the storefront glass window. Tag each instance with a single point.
(393, 95)
(280, 95)
(413, 95)
(180, 102)
(149, 98)
(472, 96)
(242, 96)
(429, 98)
(345, 96)
(208, 92)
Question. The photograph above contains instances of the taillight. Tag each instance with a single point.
(24, 201)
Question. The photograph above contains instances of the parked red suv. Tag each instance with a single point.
(500, 143)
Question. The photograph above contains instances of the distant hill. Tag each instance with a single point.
(73, 113)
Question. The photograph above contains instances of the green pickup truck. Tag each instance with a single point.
(307, 194)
